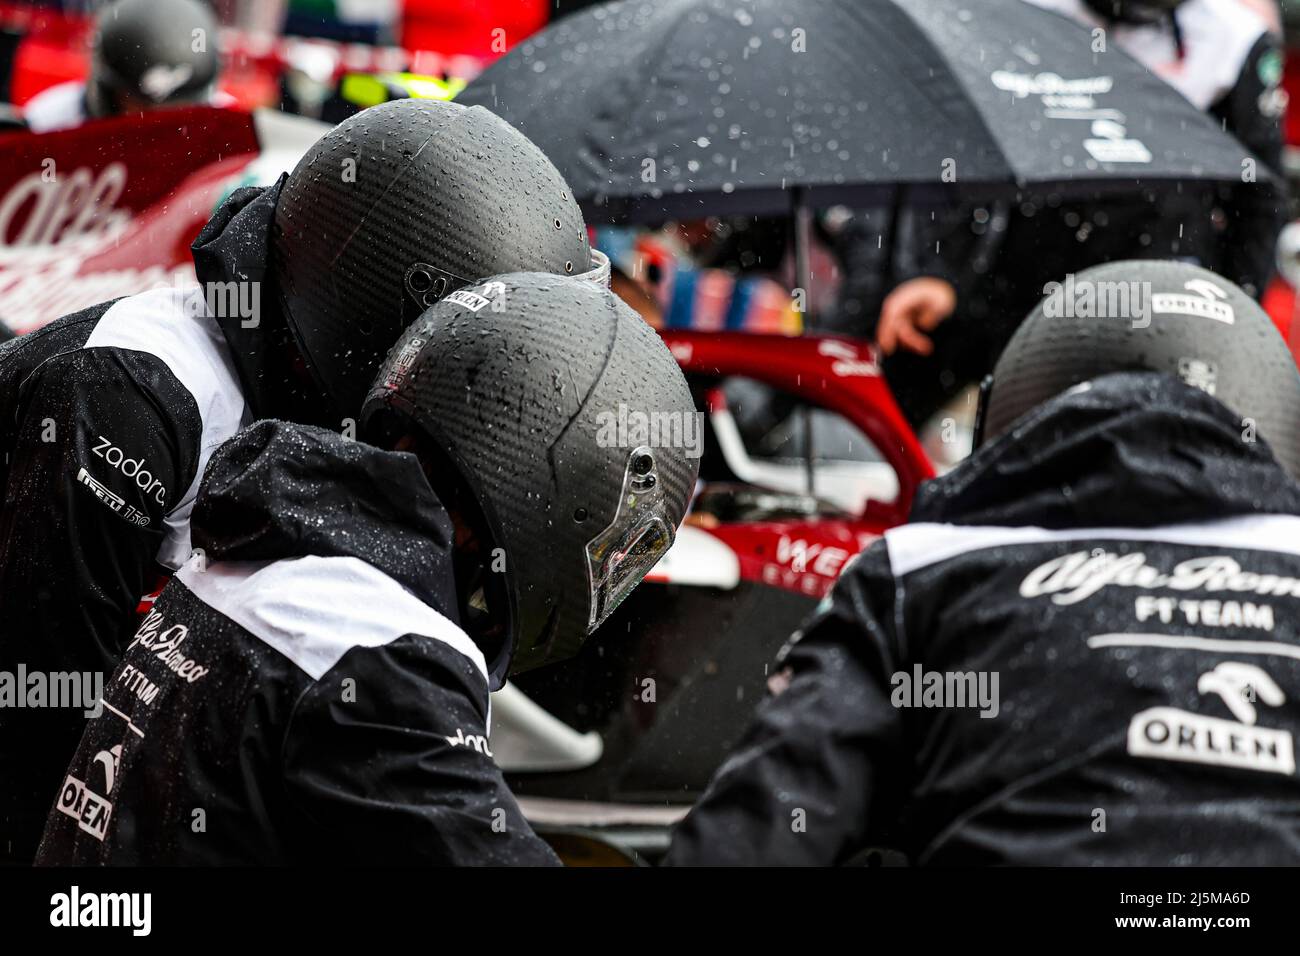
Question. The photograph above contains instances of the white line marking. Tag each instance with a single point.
(123, 716)
(1195, 644)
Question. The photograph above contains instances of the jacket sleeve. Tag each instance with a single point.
(817, 776)
(104, 446)
(1252, 112)
(386, 756)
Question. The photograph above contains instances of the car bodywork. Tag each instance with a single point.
(110, 208)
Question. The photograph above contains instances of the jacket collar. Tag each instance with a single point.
(235, 247)
(1133, 449)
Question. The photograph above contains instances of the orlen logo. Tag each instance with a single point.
(133, 468)
(40, 211)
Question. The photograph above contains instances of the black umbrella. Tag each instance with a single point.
(675, 109)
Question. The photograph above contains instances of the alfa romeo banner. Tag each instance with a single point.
(110, 208)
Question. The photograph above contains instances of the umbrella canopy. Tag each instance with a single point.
(674, 109)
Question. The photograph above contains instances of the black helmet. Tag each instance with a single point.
(1151, 316)
(573, 430)
(1134, 11)
(155, 51)
(396, 207)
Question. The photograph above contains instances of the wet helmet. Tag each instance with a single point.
(398, 206)
(572, 427)
(1134, 11)
(153, 51)
(1151, 316)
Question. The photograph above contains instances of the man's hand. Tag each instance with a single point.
(912, 309)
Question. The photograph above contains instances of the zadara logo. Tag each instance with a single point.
(133, 468)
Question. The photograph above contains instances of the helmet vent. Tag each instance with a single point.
(439, 287)
(427, 284)
(420, 281)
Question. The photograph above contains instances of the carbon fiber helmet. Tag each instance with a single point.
(398, 206)
(1134, 11)
(154, 51)
(1151, 316)
(572, 427)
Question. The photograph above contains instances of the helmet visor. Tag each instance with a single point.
(640, 534)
